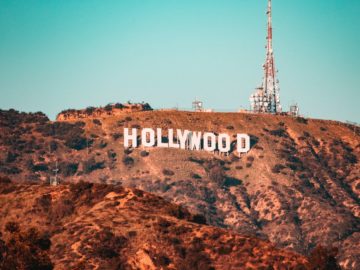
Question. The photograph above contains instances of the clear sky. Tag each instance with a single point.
(57, 54)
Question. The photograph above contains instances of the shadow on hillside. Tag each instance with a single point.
(232, 182)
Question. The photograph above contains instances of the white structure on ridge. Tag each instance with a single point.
(197, 106)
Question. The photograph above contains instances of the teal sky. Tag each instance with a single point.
(57, 54)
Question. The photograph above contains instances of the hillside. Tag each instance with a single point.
(298, 186)
(87, 226)
(108, 110)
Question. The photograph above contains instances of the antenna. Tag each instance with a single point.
(266, 98)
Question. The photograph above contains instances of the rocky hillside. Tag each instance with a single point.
(298, 187)
(98, 226)
(108, 110)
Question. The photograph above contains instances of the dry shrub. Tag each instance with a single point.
(357, 187)
(6, 185)
(12, 118)
(97, 122)
(144, 153)
(12, 227)
(91, 165)
(232, 182)
(128, 161)
(25, 250)
(215, 170)
(195, 176)
(53, 146)
(118, 106)
(70, 133)
(111, 155)
(322, 258)
(102, 144)
(163, 223)
(61, 209)
(61, 130)
(108, 108)
(11, 157)
(161, 260)
(138, 193)
(278, 168)
(116, 136)
(45, 202)
(168, 172)
(89, 193)
(279, 132)
(5, 180)
(39, 167)
(217, 175)
(80, 188)
(195, 257)
(68, 168)
(301, 120)
(107, 245)
(199, 219)
(195, 160)
(77, 142)
(178, 211)
(136, 126)
(90, 110)
(250, 158)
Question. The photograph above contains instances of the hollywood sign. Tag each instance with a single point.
(186, 139)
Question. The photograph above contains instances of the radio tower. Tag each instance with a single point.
(266, 97)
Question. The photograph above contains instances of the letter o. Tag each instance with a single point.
(212, 137)
(221, 139)
(144, 133)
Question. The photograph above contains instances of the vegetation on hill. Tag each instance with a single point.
(86, 225)
(298, 187)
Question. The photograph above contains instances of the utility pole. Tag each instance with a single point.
(54, 180)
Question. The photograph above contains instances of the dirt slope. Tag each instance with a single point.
(298, 187)
(110, 227)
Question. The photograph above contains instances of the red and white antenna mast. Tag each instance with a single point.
(266, 98)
